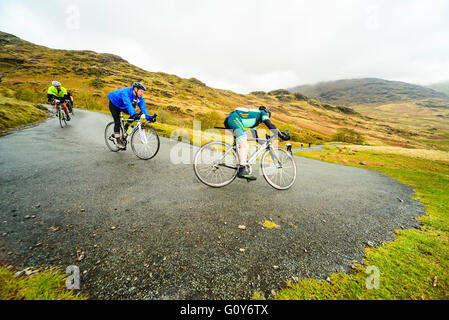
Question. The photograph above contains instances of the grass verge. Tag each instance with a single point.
(16, 113)
(43, 285)
(416, 264)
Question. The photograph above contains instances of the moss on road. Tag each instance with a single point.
(38, 285)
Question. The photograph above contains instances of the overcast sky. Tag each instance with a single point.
(248, 45)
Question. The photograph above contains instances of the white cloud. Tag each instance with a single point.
(253, 44)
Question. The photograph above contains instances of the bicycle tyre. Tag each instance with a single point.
(108, 134)
(145, 150)
(204, 170)
(277, 177)
(62, 120)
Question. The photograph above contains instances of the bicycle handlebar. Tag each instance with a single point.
(275, 135)
(139, 118)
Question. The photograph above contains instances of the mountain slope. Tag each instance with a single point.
(26, 71)
(440, 87)
(368, 91)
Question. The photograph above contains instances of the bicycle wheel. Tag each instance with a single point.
(216, 164)
(278, 168)
(61, 116)
(109, 137)
(145, 142)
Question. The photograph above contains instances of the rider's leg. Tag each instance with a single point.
(244, 170)
(243, 151)
(233, 122)
(115, 112)
(65, 108)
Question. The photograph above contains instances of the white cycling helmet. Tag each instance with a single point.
(138, 85)
(56, 83)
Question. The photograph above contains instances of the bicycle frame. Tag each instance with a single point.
(137, 127)
(260, 150)
(59, 107)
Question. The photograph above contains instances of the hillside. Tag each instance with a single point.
(370, 91)
(26, 71)
(440, 87)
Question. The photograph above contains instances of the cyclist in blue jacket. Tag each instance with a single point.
(127, 100)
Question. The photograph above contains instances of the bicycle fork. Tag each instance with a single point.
(275, 158)
(143, 136)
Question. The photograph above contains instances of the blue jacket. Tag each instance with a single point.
(123, 99)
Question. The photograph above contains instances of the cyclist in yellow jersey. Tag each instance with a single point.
(57, 92)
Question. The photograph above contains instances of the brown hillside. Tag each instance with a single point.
(26, 71)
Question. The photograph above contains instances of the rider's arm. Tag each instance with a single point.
(271, 126)
(274, 130)
(62, 93)
(127, 101)
(52, 93)
(130, 110)
(143, 107)
(123, 98)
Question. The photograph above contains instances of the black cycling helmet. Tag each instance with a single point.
(138, 85)
(266, 109)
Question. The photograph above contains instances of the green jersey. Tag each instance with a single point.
(243, 118)
(251, 118)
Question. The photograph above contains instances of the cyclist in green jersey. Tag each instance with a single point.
(57, 92)
(241, 119)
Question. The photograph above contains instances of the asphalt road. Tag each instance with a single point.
(150, 230)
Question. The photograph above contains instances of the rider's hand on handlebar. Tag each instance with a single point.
(285, 136)
(151, 118)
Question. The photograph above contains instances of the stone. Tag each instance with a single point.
(19, 274)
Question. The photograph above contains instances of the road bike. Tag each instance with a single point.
(216, 164)
(61, 113)
(143, 139)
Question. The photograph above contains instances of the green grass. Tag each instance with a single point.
(413, 266)
(45, 285)
(15, 113)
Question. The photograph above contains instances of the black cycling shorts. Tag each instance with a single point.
(115, 111)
